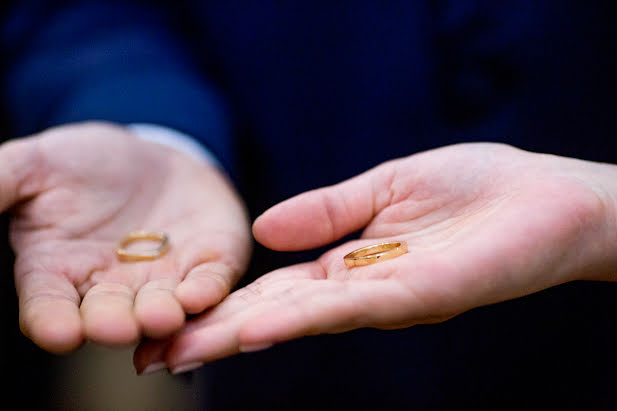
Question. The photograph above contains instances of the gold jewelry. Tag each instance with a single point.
(148, 255)
(375, 253)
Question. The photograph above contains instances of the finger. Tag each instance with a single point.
(209, 342)
(149, 356)
(313, 307)
(204, 286)
(319, 217)
(286, 309)
(330, 307)
(49, 311)
(213, 259)
(202, 340)
(303, 300)
(213, 335)
(157, 310)
(266, 289)
(107, 312)
(18, 166)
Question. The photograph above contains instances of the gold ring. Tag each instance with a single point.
(375, 253)
(148, 255)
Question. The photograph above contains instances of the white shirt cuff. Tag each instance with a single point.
(175, 139)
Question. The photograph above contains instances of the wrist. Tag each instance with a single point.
(174, 139)
(602, 180)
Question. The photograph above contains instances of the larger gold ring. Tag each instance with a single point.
(148, 255)
(375, 253)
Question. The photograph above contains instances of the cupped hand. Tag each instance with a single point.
(74, 191)
(483, 223)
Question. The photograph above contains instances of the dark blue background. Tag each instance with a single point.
(283, 92)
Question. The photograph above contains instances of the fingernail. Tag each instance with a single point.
(154, 367)
(254, 347)
(186, 367)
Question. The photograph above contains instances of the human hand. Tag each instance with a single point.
(484, 223)
(74, 191)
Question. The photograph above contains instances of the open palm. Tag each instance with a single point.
(74, 192)
(483, 222)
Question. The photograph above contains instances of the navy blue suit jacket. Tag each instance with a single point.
(283, 93)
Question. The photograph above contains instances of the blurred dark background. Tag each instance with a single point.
(277, 90)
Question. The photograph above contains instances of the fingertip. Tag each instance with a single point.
(193, 300)
(55, 326)
(55, 335)
(160, 318)
(261, 224)
(108, 315)
(295, 224)
(60, 342)
(204, 287)
(149, 356)
(111, 330)
(157, 311)
(262, 229)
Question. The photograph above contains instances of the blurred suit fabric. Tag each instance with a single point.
(292, 96)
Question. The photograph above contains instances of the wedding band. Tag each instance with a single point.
(148, 255)
(375, 253)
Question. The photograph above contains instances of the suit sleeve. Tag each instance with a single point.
(112, 61)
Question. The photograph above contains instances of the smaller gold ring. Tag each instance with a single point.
(375, 253)
(148, 255)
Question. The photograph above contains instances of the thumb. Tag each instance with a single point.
(17, 164)
(321, 216)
